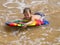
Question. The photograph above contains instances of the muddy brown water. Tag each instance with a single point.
(42, 35)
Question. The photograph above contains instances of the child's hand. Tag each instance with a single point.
(24, 26)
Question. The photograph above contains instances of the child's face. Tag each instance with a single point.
(27, 14)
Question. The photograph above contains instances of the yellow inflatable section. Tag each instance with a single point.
(32, 24)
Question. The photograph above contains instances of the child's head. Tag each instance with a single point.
(27, 12)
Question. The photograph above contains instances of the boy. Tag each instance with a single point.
(30, 18)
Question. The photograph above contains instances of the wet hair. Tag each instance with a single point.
(25, 10)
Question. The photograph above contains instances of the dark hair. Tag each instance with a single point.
(25, 10)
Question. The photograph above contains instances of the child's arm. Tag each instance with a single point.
(30, 22)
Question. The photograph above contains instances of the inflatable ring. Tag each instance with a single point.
(16, 23)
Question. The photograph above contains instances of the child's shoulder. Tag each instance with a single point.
(36, 16)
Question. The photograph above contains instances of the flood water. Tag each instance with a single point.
(42, 35)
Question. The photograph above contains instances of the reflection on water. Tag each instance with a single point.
(43, 35)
